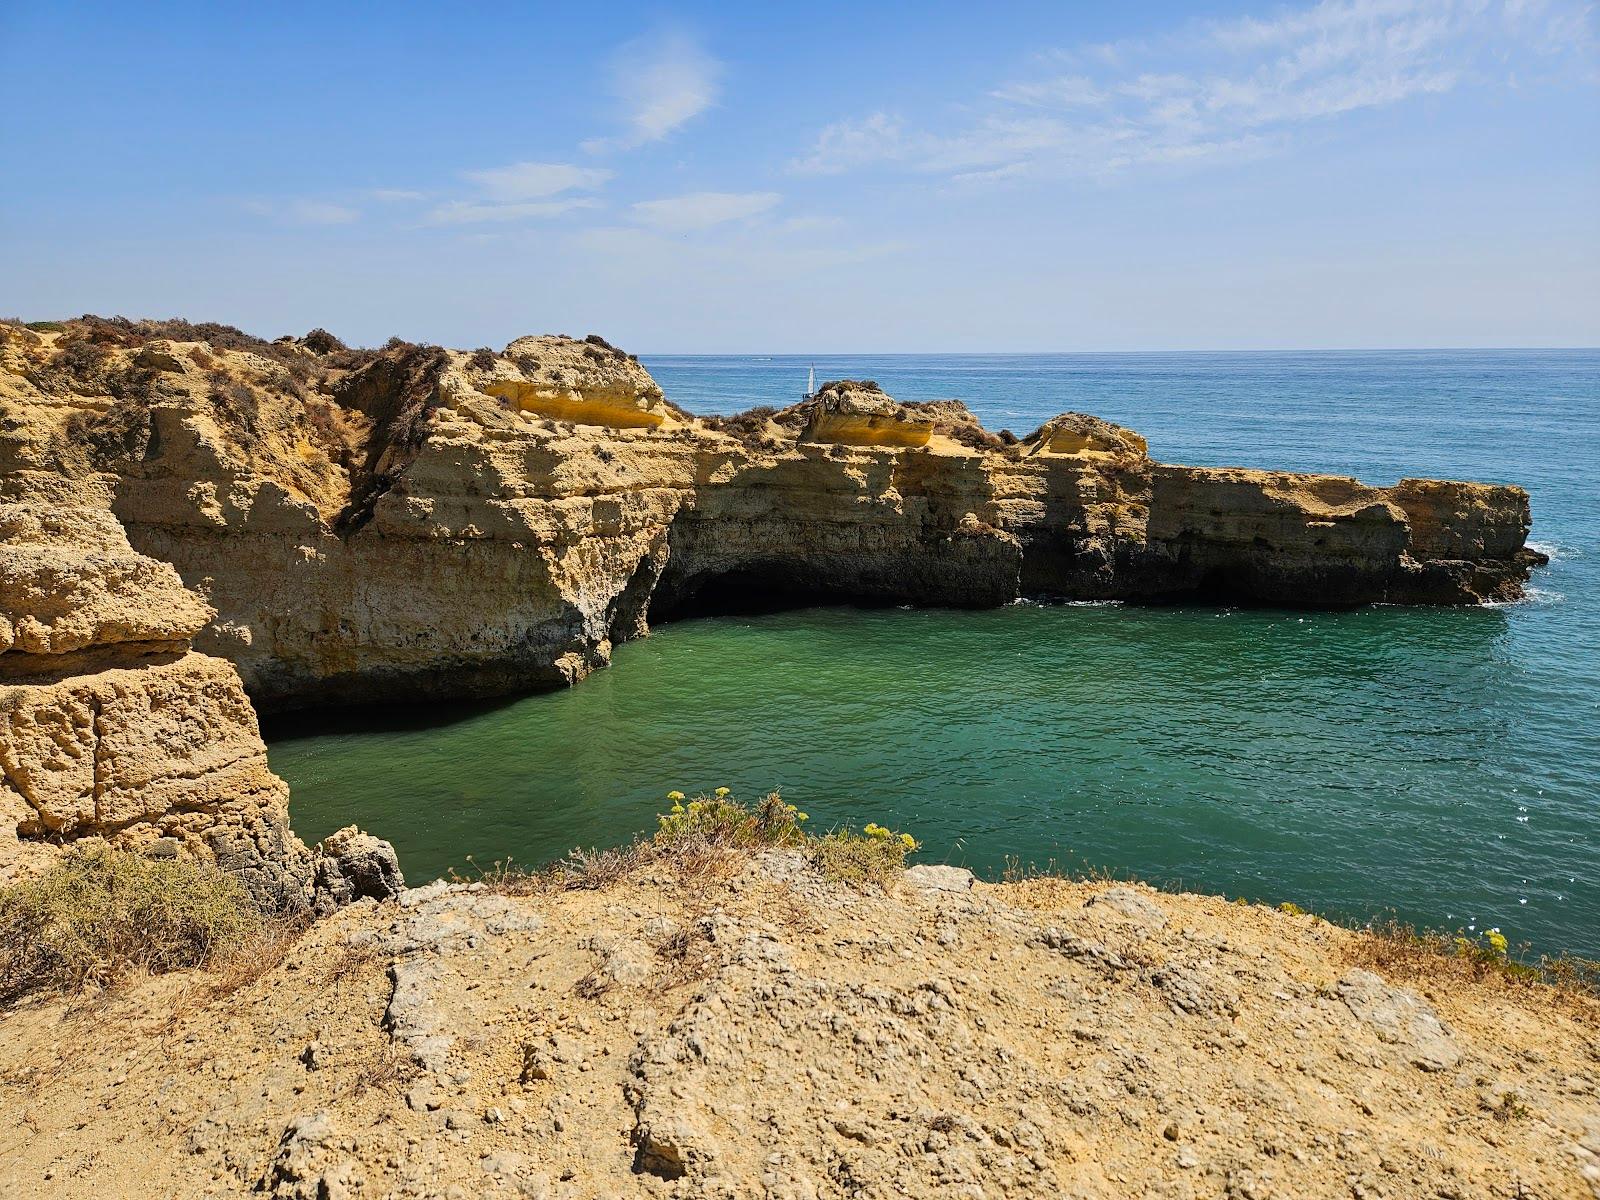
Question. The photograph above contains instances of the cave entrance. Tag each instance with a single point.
(752, 589)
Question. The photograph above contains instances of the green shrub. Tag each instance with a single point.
(703, 838)
(876, 855)
(99, 912)
(720, 820)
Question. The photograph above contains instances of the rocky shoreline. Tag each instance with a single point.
(425, 523)
(192, 520)
(189, 514)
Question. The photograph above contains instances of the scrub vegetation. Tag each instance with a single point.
(99, 913)
(707, 835)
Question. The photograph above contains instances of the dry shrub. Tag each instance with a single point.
(237, 405)
(978, 438)
(398, 391)
(686, 956)
(748, 427)
(384, 1069)
(704, 840)
(1431, 958)
(320, 341)
(597, 348)
(99, 913)
(581, 870)
(340, 433)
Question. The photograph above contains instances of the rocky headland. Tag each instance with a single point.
(192, 519)
(421, 522)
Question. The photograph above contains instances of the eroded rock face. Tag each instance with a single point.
(589, 382)
(854, 413)
(422, 522)
(111, 726)
(355, 866)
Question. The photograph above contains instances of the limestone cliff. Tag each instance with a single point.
(425, 522)
(110, 725)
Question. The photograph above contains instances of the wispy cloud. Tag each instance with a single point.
(521, 191)
(468, 212)
(752, 251)
(702, 210)
(1064, 91)
(1211, 92)
(662, 83)
(535, 180)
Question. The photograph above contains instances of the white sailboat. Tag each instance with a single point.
(811, 382)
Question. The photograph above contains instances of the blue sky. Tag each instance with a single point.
(813, 178)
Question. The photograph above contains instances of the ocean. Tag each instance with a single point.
(1439, 766)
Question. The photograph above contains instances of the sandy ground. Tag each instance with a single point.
(766, 1034)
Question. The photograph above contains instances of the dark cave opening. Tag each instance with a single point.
(752, 590)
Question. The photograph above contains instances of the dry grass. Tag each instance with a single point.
(686, 955)
(99, 914)
(1016, 871)
(1401, 952)
(706, 840)
(1431, 958)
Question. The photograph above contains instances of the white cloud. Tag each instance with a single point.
(521, 191)
(534, 180)
(846, 144)
(662, 82)
(759, 251)
(1064, 91)
(471, 212)
(395, 195)
(702, 210)
(1213, 92)
(811, 224)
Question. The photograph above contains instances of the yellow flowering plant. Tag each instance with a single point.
(720, 820)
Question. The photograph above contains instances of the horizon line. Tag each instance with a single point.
(1165, 350)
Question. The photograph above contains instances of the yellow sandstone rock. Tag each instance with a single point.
(859, 414)
(587, 383)
(420, 522)
(110, 725)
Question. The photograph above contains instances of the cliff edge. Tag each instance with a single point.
(423, 522)
(747, 1030)
(111, 726)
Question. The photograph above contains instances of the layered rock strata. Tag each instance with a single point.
(111, 726)
(423, 522)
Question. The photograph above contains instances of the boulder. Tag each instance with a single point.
(352, 866)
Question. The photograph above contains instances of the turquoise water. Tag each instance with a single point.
(1441, 764)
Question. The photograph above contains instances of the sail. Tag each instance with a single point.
(811, 382)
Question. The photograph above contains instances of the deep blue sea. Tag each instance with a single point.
(1443, 765)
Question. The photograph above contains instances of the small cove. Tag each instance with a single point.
(1438, 763)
